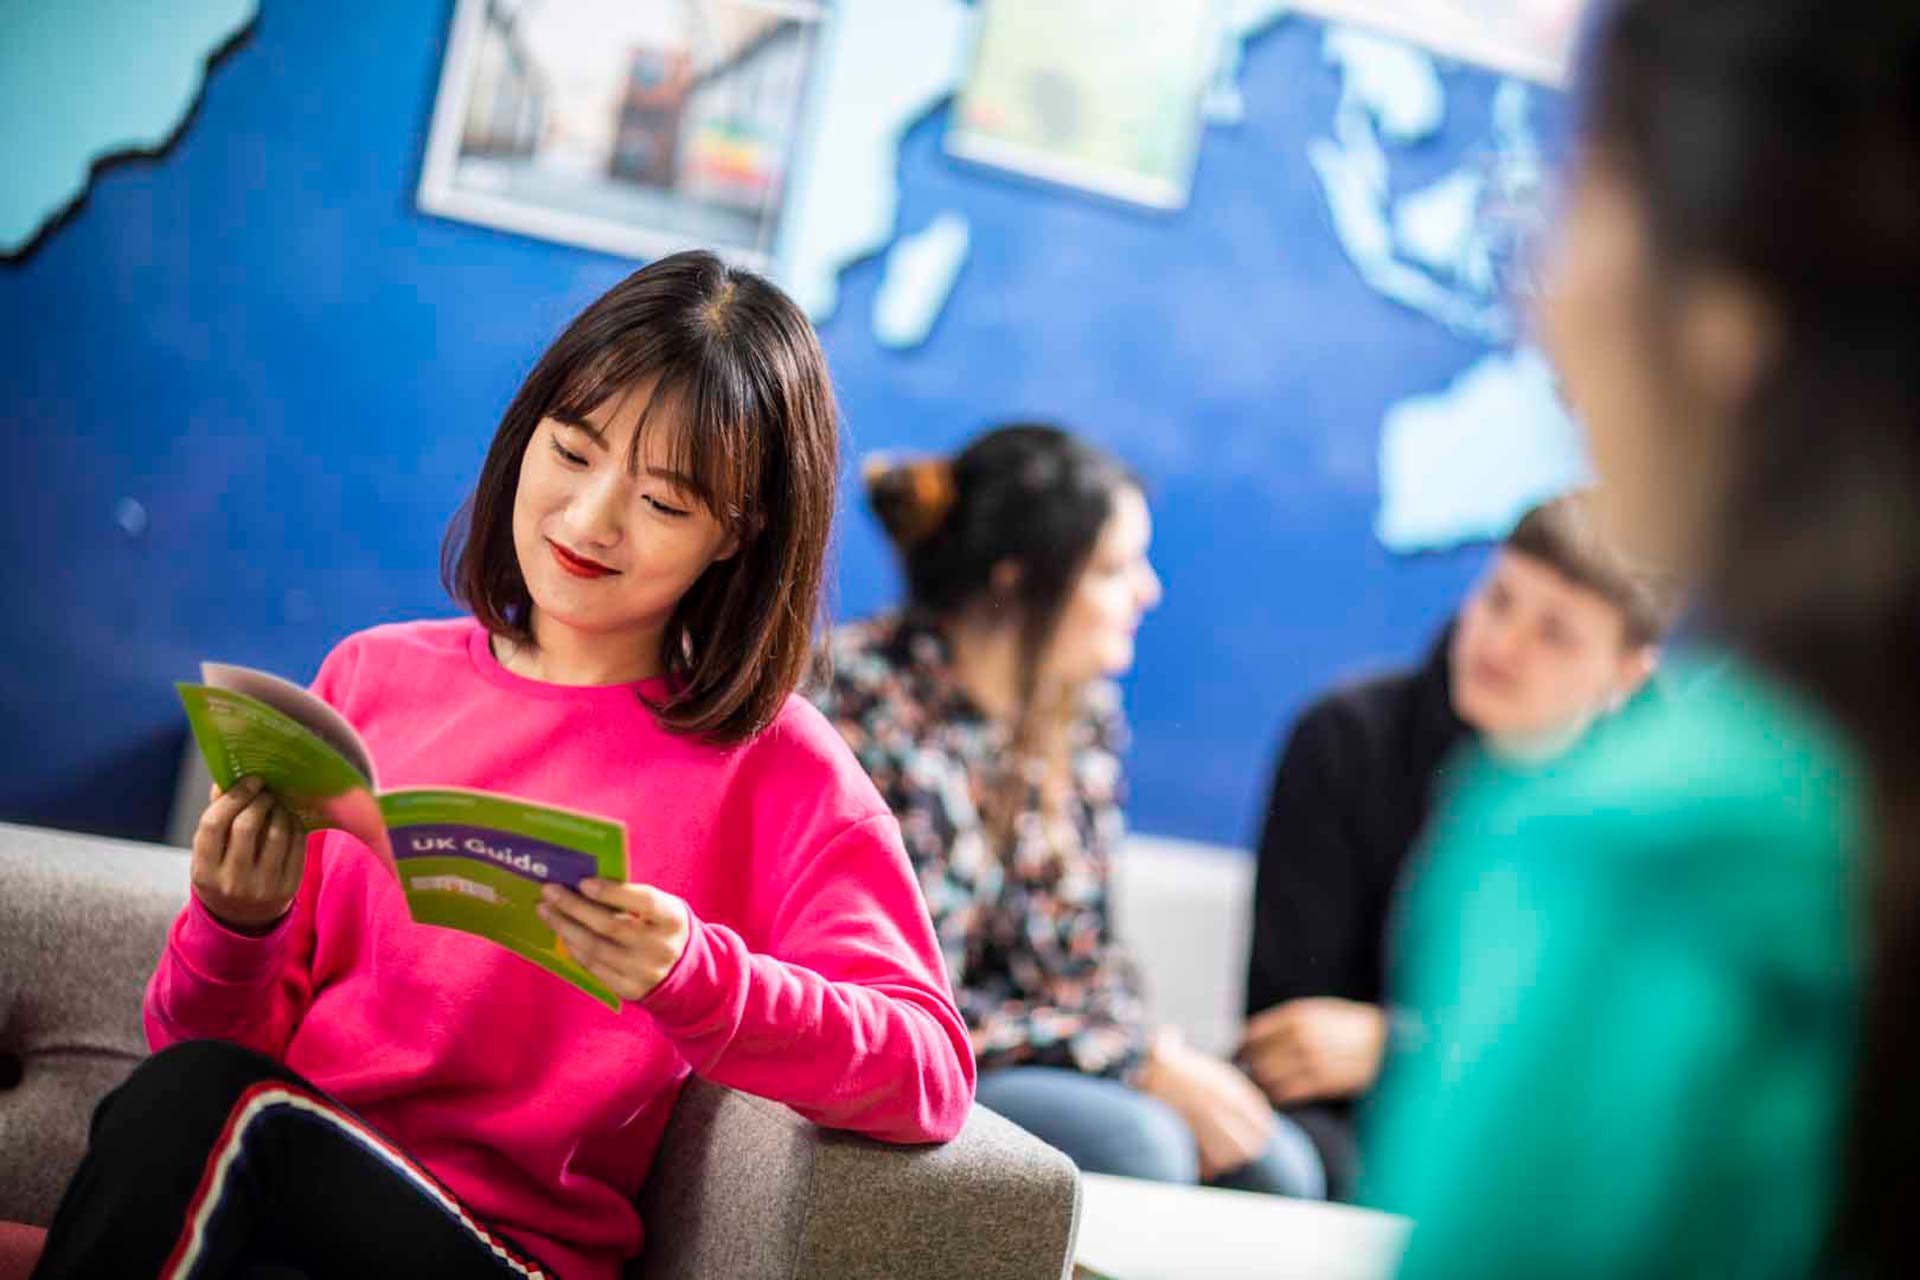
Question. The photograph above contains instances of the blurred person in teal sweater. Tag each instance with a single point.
(1650, 995)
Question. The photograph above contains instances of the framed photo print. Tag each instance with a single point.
(636, 127)
(1104, 95)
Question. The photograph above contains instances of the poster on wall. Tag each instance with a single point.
(636, 129)
(1105, 95)
(1532, 39)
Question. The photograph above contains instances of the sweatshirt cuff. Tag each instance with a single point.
(215, 953)
(691, 992)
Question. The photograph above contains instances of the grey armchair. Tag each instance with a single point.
(742, 1187)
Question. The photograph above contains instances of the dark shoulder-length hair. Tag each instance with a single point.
(740, 369)
(1030, 496)
(1779, 140)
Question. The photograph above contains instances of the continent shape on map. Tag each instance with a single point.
(86, 79)
(920, 272)
(1463, 464)
(1392, 92)
(884, 64)
(1241, 21)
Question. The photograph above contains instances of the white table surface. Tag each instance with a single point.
(1133, 1230)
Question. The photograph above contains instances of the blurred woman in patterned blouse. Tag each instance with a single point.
(985, 712)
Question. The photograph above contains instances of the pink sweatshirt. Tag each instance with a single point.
(812, 976)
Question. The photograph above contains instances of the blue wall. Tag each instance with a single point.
(258, 340)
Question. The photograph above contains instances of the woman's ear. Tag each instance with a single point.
(1726, 334)
(999, 603)
(1636, 668)
(1004, 581)
(738, 533)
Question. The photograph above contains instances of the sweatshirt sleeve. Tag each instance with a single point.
(1310, 919)
(1630, 1031)
(215, 984)
(846, 1015)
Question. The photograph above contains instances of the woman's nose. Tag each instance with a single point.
(1502, 642)
(1152, 590)
(595, 513)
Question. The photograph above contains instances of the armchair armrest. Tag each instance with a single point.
(743, 1187)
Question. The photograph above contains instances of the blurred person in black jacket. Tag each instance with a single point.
(1559, 632)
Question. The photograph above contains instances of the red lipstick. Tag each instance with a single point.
(578, 566)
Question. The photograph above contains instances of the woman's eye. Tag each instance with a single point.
(568, 456)
(666, 510)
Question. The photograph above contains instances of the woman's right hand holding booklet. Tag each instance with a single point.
(249, 853)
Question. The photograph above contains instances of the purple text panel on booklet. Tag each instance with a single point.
(523, 856)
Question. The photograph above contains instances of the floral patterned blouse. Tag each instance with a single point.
(1026, 933)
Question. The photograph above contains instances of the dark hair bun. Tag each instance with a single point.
(911, 499)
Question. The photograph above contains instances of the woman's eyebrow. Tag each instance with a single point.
(575, 420)
(678, 478)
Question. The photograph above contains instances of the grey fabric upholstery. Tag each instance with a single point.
(742, 1187)
(753, 1191)
(82, 922)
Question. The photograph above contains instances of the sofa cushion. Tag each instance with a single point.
(82, 924)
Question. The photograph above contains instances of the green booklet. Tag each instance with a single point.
(467, 860)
